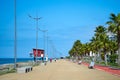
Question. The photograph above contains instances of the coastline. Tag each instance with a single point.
(7, 64)
(5, 61)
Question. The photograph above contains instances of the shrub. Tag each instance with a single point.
(113, 58)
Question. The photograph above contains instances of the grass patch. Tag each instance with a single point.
(102, 63)
(7, 71)
(114, 65)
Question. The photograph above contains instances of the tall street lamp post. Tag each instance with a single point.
(15, 36)
(36, 18)
(44, 31)
(47, 46)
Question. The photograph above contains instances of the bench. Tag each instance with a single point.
(24, 69)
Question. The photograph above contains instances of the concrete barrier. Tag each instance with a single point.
(24, 69)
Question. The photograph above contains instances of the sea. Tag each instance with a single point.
(11, 60)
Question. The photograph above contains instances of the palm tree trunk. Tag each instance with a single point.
(118, 38)
(105, 57)
(118, 47)
(99, 56)
(119, 52)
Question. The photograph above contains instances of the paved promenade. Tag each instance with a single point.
(61, 70)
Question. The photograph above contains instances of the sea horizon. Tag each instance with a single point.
(11, 60)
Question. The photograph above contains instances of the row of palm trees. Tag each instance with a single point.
(101, 42)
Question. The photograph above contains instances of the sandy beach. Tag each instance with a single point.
(61, 70)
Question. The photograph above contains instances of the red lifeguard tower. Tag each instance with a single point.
(38, 53)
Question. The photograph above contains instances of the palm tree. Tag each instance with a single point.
(94, 44)
(76, 49)
(114, 26)
(102, 40)
(71, 52)
(105, 44)
(84, 49)
(77, 46)
(113, 47)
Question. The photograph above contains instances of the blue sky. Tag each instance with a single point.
(65, 20)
